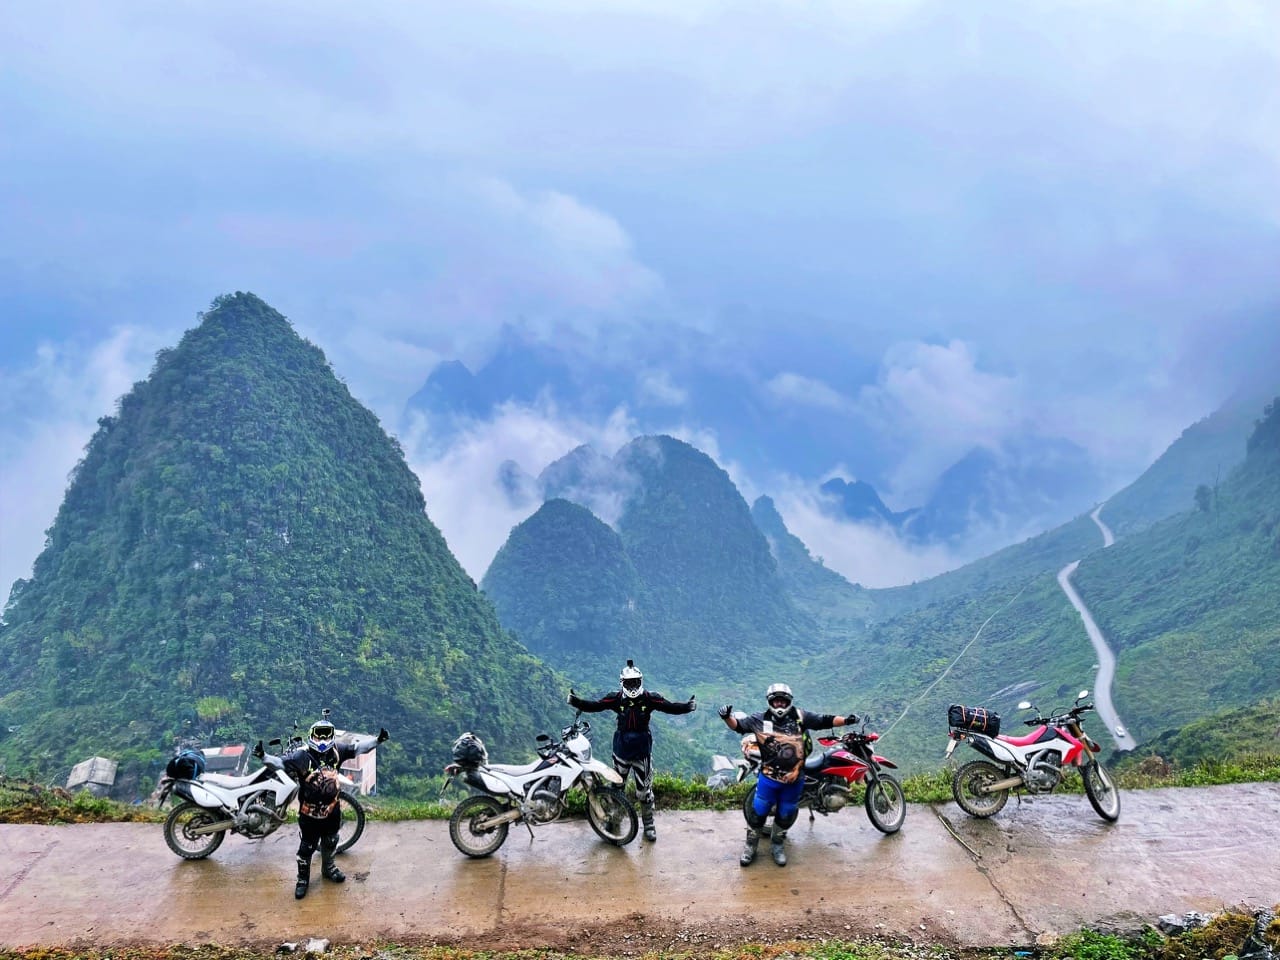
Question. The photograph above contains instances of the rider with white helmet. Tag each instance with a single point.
(780, 733)
(315, 766)
(632, 741)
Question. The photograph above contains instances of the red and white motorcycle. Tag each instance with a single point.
(1034, 763)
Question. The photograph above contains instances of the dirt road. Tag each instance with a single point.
(1036, 869)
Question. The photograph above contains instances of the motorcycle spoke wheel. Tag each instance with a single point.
(968, 787)
(1101, 790)
(886, 804)
(353, 817)
(612, 816)
(465, 830)
(185, 818)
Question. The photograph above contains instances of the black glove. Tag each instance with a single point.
(383, 736)
(850, 719)
(725, 711)
(571, 697)
(693, 703)
(258, 751)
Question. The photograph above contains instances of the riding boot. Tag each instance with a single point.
(749, 851)
(304, 878)
(646, 815)
(328, 869)
(779, 838)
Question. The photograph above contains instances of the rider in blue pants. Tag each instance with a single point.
(779, 731)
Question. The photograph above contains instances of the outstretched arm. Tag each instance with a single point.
(607, 702)
(365, 744)
(663, 705)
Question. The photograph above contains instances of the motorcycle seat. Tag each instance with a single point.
(814, 761)
(225, 780)
(1026, 741)
(516, 769)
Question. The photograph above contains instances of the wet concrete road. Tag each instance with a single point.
(1037, 868)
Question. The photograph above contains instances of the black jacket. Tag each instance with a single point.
(632, 740)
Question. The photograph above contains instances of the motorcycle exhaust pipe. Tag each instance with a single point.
(1007, 784)
(211, 828)
(509, 816)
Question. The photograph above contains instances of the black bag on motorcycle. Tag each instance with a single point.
(187, 765)
(469, 751)
(978, 719)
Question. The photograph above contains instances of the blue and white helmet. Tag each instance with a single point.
(632, 680)
(320, 736)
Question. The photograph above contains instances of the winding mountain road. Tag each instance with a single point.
(1119, 734)
(1037, 870)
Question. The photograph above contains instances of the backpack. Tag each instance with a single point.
(187, 765)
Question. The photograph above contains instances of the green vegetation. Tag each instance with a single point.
(241, 546)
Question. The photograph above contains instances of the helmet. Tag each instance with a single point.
(632, 680)
(469, 751)
(320, 736)
(779, 698)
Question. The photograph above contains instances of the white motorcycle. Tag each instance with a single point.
(1034, 763)
(254, 806)
(535, 793)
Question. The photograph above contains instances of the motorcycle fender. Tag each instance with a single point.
(885, 762)
(488, 783)
(992, 749)
(198, 794)
(604, 770)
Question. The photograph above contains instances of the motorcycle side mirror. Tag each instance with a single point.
(1082, 694)
(1024, 705)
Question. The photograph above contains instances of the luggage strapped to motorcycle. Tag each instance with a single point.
(977, 719)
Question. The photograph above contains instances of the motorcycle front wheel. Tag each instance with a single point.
(353, 818)
(465, 830)
(612, 816)
(178, 827)
(968, 787)
(1101, 790)
(886, 804)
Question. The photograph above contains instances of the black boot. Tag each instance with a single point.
(749, 851)
(777, 848)
(304, 878)
(328, 869)
(646, 815)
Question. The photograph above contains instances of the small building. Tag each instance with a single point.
(230, 760)
(96, 775)
(363, 769)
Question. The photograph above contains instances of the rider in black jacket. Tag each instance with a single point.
(632, 741)
(315, 767)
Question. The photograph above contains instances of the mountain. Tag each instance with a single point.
(241, 546)
(858, 502)
(686, 576)
(1189, 605)
(564, 584)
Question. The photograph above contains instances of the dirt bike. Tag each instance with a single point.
(535, 793)
(829, 773)
(254, 805)
(1034, 763)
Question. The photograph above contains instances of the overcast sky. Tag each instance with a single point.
(949, 219)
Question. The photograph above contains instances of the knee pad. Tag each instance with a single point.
(305, 850)
(330, 843)
(782, 822)
(755, 820)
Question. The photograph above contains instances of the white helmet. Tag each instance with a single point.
(779, 699)
(632, 680)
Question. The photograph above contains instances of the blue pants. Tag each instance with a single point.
(786, 796)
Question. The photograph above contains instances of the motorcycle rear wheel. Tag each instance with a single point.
(967, 784)
(184, 818)
(612, 816)
(470, 838)
(1101, 790)
(353, 817)
(886, 804)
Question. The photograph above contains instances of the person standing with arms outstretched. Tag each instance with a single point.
(632, 741)
(780, 732)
